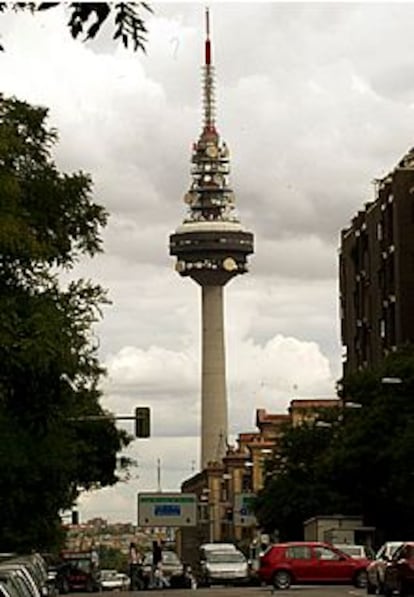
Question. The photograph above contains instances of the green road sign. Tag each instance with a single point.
(167, 509)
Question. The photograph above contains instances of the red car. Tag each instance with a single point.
(284, 564)
(399, 573)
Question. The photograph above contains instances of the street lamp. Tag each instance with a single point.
(391, 380)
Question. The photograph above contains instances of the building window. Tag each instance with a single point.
(379, 229)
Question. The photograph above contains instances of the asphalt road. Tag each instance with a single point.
(219, 591)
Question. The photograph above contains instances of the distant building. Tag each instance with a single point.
(224, 488)
(376, 272)
(302, 410)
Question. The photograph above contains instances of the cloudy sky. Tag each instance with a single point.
(314, 101)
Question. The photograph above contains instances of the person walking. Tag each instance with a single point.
(134, 568)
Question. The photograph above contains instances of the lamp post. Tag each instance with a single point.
(391, 380)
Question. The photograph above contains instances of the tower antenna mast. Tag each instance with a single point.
(209, 102)
(211, 248)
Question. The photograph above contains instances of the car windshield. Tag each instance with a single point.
(83, 564)
(391, 548)
(108, 574)
(225, 557)
(168, 557)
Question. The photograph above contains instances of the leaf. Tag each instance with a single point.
(47, 5)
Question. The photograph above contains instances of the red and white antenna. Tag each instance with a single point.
(208, 100)
(208, 44)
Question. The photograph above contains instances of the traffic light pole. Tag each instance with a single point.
(103, 418)
(142, 420)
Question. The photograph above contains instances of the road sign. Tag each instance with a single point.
(243, 512)
(167, 509)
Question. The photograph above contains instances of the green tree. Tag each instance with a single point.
(376, 449)
(358, 462)
(47, 222)
(112, 558)
(297, 486)
(88, 17)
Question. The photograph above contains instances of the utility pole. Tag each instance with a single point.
(159, 475)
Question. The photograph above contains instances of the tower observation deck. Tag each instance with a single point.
(211, 248)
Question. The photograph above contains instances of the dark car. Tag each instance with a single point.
(399, 572)
(169, 572)
(376, 568)
(78, 572)
(284, 564)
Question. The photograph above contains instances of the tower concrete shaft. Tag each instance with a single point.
(213, 383)
(211, 248)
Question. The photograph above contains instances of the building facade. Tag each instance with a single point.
(224, 488)
(376, 272)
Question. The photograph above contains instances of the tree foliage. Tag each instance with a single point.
(47, 222)
(358, 462)
(297, 486)
(113, 559)
(87, 18)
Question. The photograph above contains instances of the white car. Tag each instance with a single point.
(228, 566)
(112, 580)
(355, 551)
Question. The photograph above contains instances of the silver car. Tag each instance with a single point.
(224, 567)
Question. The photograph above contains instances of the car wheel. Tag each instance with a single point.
(361, 579)
(89, 588)
(282, 579)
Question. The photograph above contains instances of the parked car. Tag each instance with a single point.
(13, 585)
(78, 572)
(112, 580)
(229, 566)
(8, 590)
(376, 568)
(399, 572)
(36, 565)
(171, 568)
(356, 551)
(284, 564)
(22, 574)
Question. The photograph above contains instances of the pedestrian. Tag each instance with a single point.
(160, 581)
(156, 570)
(134, 571)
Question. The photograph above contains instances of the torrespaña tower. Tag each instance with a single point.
(211, 248)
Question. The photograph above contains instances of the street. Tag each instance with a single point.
(222, 591)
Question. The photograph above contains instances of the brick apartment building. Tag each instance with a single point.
(241, 472)
(376, 274)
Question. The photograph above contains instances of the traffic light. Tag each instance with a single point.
(75, 517)
(142, 421)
